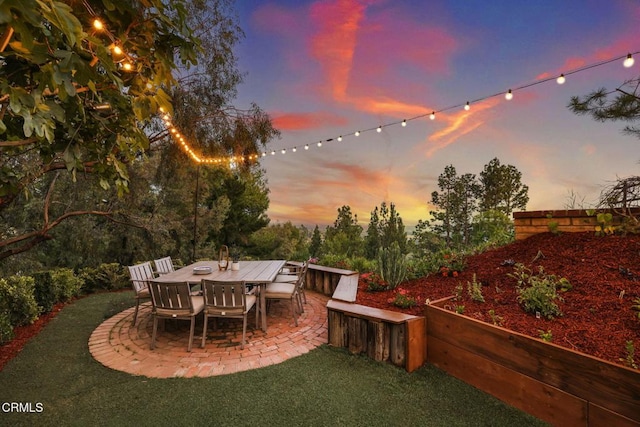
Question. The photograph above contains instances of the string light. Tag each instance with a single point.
(628, 62)
(98, 25)
(294, 149)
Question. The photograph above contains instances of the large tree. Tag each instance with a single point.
(385, 227)
(502, 189)
(126, 142)
(456, 203)
(344, 238)
(77, 80)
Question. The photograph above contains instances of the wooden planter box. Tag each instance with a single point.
(553, 383)
(382, 335)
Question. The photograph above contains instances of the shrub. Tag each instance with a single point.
(374, 282)
(336, 261)
(361, 264)
(45, 291)
(403, 299)
(418, 267)
(391, 265)
(538, 293)
(6, 330)
(105, 277)
(475, 290)
(17, 300)
(66, 283)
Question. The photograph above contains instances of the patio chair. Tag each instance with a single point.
(228, 300)
(140, 275)
(164, 265)
(284, 291)
(295, 273)
(173, 300)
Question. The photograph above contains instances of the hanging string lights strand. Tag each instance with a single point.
(628, 62)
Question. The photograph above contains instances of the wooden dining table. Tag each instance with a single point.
(259, 273)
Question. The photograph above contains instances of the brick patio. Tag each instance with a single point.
(120, 346)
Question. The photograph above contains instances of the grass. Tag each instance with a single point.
(326, 387)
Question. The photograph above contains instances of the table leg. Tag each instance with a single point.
(263, 307)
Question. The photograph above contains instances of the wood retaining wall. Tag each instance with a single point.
(558, 385)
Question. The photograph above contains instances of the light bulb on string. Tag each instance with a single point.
(340, 138)
(379, 129)
(404, 123)
(628, 62)
(283, 151)
(467, 106)
(560, 80)
(98, 25)
(117, 49)
(432, 116)
(357, 133)
(294, 149)
(509, 95)
(319, 143)
(306, 147)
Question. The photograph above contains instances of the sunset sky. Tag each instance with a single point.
(322, 69)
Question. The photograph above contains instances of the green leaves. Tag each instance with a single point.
(61, 16)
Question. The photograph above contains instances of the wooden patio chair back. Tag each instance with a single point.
(140, 275)
(227, 299)
(164, 265)
(173, 300)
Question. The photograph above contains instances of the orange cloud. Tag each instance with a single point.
(458, 124)
(301, 121)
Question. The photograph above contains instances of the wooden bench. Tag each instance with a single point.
(382, 335)
(325, 279)
(347, 288)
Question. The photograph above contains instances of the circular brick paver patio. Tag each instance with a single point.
(119, 345)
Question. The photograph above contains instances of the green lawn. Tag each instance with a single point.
(326, 387)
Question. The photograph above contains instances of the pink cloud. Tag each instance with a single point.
(624, 43)
(303, 121)
(350, 43)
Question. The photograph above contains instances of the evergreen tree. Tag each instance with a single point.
(316, 243)
(603, 106)
(456, 203)
(385, 227)
(502, 188)
(345, 237)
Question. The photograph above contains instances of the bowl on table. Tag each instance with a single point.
(202, 270)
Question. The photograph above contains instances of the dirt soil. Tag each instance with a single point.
(598, 318)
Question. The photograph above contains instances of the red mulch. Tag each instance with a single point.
(22, 334)
(597, 315)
